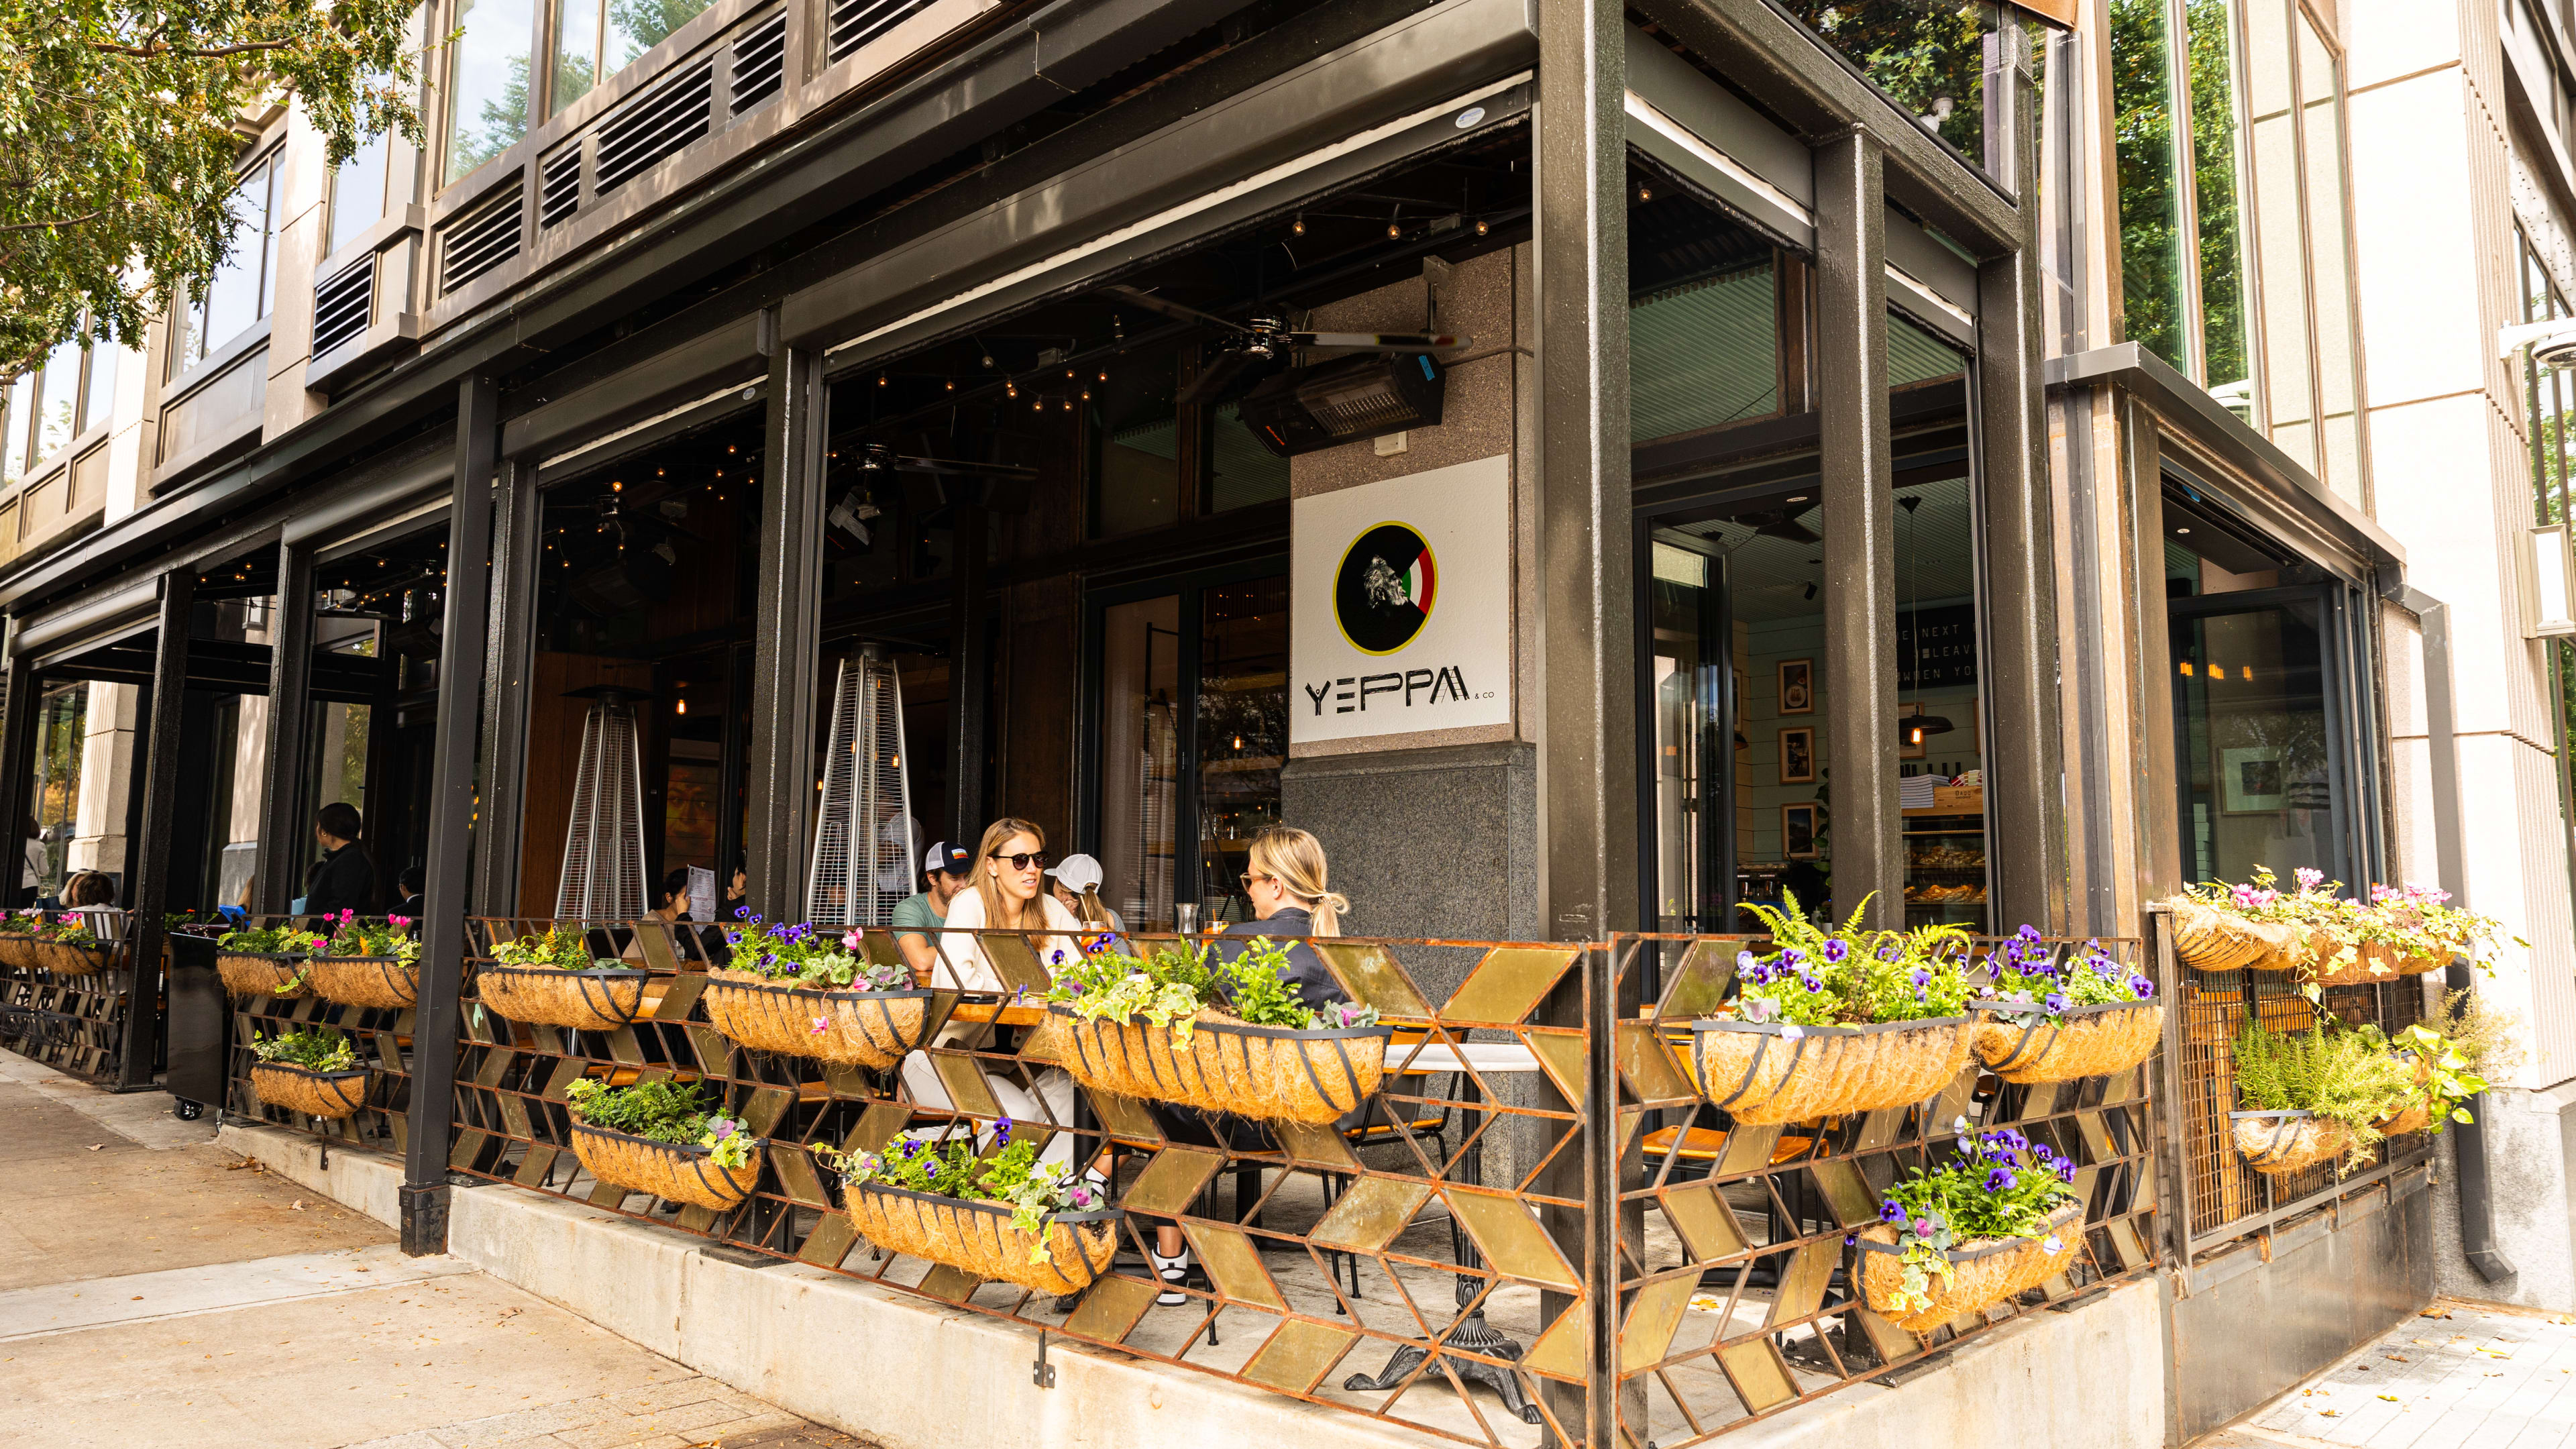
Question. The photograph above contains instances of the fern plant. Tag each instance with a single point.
(2343, 1075)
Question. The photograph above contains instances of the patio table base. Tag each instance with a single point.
(1475, 1336)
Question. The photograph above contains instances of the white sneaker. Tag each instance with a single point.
(1173, 1272)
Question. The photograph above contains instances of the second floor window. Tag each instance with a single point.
(595, 39)
(47, 408)
(244, 286)
(495, 91)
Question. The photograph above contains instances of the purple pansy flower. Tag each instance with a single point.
(2001, 1180)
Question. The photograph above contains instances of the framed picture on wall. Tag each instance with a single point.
(1798, 831)
(2254, 779)
(1798, 756)
(1797, 686)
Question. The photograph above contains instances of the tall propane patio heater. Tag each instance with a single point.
(867, 847)
(603, 860)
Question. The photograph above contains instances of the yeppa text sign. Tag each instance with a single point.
(1400, 612)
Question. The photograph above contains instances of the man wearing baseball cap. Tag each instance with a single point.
(918, 917)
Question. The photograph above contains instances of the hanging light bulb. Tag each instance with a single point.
(881, 381)
(1480, 226)
(1297, 227)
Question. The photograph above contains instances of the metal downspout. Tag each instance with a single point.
(2469, 1146)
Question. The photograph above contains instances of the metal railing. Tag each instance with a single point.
(1433, 1262)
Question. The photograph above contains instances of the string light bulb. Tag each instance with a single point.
(1297, 227)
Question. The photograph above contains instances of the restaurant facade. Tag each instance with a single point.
(1598, 468)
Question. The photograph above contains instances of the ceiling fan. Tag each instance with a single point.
(1779, 523)
(1264, 342)
(880, 463)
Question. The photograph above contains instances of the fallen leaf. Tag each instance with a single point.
(2392, 1358)
(96, 1146)
(2392, 1398)
(137, 1298)
(297, 1205)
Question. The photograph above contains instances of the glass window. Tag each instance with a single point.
(20, 420)
(1928, 54)
(594, 41)
(1140, 672)
(2252, 724)
(2280, 238)
(2153, 279)
(1242, 733)
(104, 360)
(2214, 202)
(1136, 472)
(242, 288)
(62, 739)
(358, 193)
(1242, 471)
(2339, 420)
(57, 400)
(487, 81)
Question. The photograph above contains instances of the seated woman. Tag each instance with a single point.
(88, 888)
(688, 938)
(1009, 864)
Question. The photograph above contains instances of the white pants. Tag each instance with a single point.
(1053, 1103)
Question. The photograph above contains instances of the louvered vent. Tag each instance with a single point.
(558, 185)
(759, 63)
(653, 127)
(856, 22)
(481, 237)
(343, 305)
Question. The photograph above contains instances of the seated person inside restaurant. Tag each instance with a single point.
(918, 917)
(690, 941)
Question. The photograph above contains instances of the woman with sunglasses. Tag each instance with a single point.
(1009, 894)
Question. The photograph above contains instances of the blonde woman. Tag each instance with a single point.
(1289, 886)
(1006, 895)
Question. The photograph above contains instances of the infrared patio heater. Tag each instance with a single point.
(603, 859)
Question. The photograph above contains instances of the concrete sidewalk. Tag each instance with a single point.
(2457, 1376)
(155, 1288)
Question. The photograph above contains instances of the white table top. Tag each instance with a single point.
(1435, 1056)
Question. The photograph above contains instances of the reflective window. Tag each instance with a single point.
(2547, 402)
(1140, 671)
(2329, 258)
(487, 81)
(20, 422)
(244, 285)
(104, 360)
(358, 192)
(2211, 74)
(1928, 54)
(595, 39)
(2153, 279)
(57, 400)
(62, 739)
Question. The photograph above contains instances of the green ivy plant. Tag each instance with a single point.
(564, 948)
(1033, 1190)
(313, 1049)
(662, 1111)
(1828, 975)
(1172, 986)
(803, 955)
(2000, 1185)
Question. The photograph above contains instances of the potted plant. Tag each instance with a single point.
(1231, 1036)
(18, 937)
(2335, 1093)
(1836, 1020)
(63, 944)
(806, 992)
(1994, 1221)
(2056, 1015)
(549, 978)
(1007, 1216)
(263, 961)
(363, 963)
(658, 1137)
(2326, 938)
(312, 1070)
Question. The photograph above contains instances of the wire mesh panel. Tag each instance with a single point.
(603, 864)
(867, 849)
(2227, 1196)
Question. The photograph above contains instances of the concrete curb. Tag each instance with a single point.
(909, 1374)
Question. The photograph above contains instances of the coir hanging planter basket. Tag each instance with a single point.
(262, 975)
(593, 999)
(386, 982)
(2371, 961)
(64, 959)
(1274, 1073)
(15, 950)
(979, 1237)
(873, 1029)
(1766, 1072)
(664, 1169)
(315, 1094)
(2092, 1041)
(2277, 1144)
(1983, 1271)
(2210, 939)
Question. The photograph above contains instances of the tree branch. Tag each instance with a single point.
(152, 48)
(47, 225)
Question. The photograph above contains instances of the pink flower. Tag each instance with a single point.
(822, 1025)
(2309, 878)
(397, 920)
(852, 940)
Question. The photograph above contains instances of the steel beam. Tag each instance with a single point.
(509, 663)
(462, 644)
(2025, 805)
(1587, 751)
(788, 632)
(1860, 527)
(148, 854)
(290, 682)
(18, 696)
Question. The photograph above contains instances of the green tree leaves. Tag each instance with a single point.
(118, 142)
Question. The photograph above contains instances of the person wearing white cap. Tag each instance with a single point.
(1076, 882)
(918, 917)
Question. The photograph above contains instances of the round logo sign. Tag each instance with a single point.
(1383, 593)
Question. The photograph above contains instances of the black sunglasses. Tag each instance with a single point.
(1024, 860)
